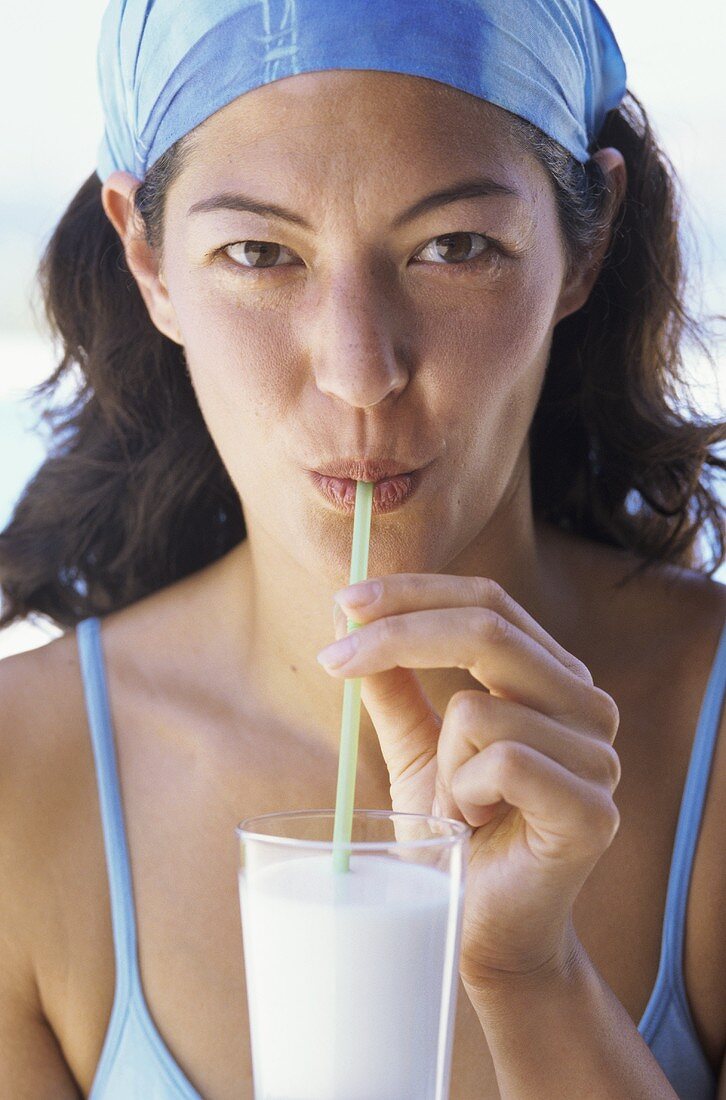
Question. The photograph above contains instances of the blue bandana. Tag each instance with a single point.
(164, 66)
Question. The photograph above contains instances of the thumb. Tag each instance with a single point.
(407, 725)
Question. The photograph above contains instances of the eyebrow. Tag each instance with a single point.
(478, 187)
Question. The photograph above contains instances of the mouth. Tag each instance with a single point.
(389, 493)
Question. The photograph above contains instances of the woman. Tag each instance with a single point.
(453, 258)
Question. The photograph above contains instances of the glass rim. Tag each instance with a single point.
(460, 831)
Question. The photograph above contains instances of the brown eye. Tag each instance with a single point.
(456, 248)
(256, 254)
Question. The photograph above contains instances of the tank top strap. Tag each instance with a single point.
(88, 635)
(689, 821)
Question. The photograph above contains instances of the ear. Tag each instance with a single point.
(117, 196)
(578, 285)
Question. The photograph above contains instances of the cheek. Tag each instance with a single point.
(239, 358)
(240, 367)
(491, 343)
(520, 323)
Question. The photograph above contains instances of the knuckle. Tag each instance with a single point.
(417, 583)
(606, 712)
(610, 762)
(466, 707)
(601, 821)
(580, 670)
(492, 628)
(505, 758)
(388, 628)
(488, 593)
(607, 821)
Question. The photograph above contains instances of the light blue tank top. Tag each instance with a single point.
(135, 1062)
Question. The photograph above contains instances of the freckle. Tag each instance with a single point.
(293, 668)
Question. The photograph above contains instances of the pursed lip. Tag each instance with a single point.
(389, 493)
(365, 469)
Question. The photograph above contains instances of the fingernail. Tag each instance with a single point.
(358, 595)
(339, 652)
(339, 617)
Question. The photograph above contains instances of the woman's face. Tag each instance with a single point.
(362, 330)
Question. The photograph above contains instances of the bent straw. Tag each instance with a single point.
(350, 722)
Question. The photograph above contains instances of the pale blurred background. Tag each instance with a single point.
(50, 127)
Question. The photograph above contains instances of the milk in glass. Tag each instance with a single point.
(351, 978)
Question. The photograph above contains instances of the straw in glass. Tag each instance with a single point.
(350, 722)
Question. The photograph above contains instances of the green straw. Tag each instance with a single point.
(350, 724)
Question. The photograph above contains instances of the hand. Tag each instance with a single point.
(528, 762)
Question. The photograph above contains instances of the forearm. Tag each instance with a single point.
(566, 1037)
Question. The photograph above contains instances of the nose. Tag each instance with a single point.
(357, 349)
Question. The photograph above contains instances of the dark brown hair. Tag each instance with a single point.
(133, 494)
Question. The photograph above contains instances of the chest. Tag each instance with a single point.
(180, 817)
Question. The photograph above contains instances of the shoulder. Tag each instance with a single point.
(661, 615)
(41, 700)
(691, 613)
(668, 624)
(28, 682)
(46, 754)
(705, 949)
(38, 688)
(642, 628)
(41, 704)
(686, 613)
(687, 596)
(34, 697)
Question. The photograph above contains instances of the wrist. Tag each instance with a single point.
(559, 1032)
(496, 993)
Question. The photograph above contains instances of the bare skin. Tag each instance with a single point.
(219, 706)
(192, 766)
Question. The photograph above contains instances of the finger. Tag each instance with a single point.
(403, 592)
(566, 816)
(407, 726)
(500, 656)
(474, 720)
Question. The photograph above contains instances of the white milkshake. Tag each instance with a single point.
(351, 978)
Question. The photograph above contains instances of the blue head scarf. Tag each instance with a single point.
(164, 66)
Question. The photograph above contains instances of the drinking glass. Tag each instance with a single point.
(351, 976)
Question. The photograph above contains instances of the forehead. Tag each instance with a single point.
(342, 121)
